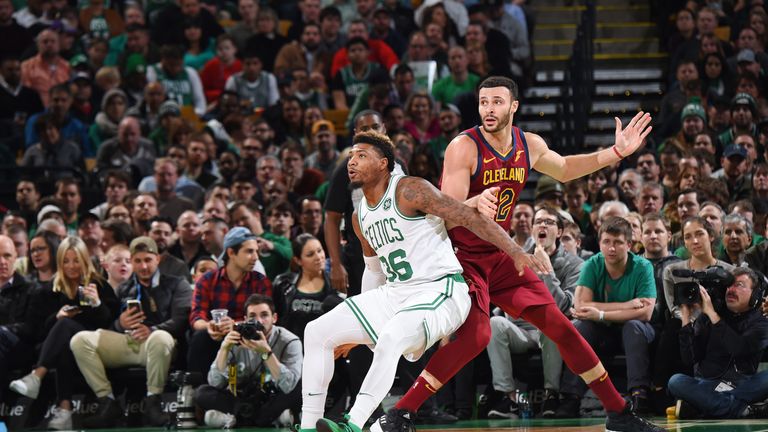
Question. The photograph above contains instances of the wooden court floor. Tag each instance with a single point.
(577, 425)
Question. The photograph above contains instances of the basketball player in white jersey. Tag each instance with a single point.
(413, 292)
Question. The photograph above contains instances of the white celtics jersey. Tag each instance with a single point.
(412, 250)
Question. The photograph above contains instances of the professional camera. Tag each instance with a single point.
(714, 279)
(185, 397)
(250, 329)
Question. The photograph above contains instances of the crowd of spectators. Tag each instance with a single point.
(179, 158)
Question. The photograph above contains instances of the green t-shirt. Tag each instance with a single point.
(446, 89)
(278, 260)
(636, 282)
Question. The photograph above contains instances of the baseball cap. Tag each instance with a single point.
(81, 76)
(50, 208)
(147, 243)
(547, 185)
(321, 125)
(735, 150)
(236, 236)
(744, 99)
(693, 109)
(169, 107)
(452, 108)
(87, 216)
(135, 63)
(746, 55)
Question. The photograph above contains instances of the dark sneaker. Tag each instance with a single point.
(107, 414)
(642, 406)
(569, 407)
(463, 413)
(505, 408)
(628, 421)
(153, 412)
(686, 411)
(550, 404)
(757, 410)
(395, 420)
(435, 417)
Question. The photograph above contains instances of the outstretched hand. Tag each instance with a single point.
(629, 139)
(537, 264)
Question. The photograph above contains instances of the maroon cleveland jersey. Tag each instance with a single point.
(509, 172)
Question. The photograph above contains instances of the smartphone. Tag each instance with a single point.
(71, 308)
(133, 304)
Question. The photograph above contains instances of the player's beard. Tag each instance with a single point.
(501, 123)
(355, 185)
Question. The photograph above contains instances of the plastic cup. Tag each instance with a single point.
(218, 314)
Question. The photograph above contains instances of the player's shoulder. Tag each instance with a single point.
(462, 146)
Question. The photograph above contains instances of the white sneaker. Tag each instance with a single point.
(285, 420)
(219, 419)
(28, 386)
(62, 419)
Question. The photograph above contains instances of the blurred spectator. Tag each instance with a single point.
(384, 30)
(522, 224)
(53, 151)
(166, 177)
(16, 333)
(47, 68)
(133, 15)
(460, 80)
(423, 122)
(717, 78)
(160, 231)
(304, 53)
(310, 13)
(152, 331)
(267, 42)
(650, 198)
(275, 243)
(182, 83)
(737, 238)
(247, 25)
(323, 135)
(378, 51)
(198, 49)
(734, 172)
(310, 218)
(275, 354)
(197, 158)
(227, 287)
(168, 26)
(113, 107)
(16, 36)
(676, 97)
(255, 87)
(116, 184)
(617, 287)
(217, 71)
(144, 208)
(299, 295)
(212, 235)
(89, 230)
(188, 247)
(116, 231)
(686, 29)
(694, 119)
(17, 101)
(80, 300)
(300, 180)
(743, 116)
(98, 21)
(28, 199)
(128, 152)
(71, 128)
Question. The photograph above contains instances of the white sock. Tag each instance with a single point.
(321, 336)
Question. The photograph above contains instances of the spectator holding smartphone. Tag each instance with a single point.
(80, 300)
(145, 334)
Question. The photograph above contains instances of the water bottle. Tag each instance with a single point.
(525, 406)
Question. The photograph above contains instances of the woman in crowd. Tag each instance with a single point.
(299, 295)
(42, 257)
(716, 76)
(698, 236)
(79, 300)
(198, 49)
(114, 104)
(422, 122)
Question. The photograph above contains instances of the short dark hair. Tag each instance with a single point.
(292, 146)
(381, 142)
(68, 181)
(310, 198)
(365, 113)
(257, 299)
(282, 207)
(165, 220)
(647, 151)
(171, 52)
(358, 41)
(215, 220)
(118, 175)
(500, 81)
(552, 212)
(121, 232)
(250, 205)
(329, 12)
(616, 226)
(657, 217)
(43, 121)
(739, 271)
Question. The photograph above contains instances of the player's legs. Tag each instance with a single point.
(402, 334)
(576, 352)
(470, 340)
(338, 327)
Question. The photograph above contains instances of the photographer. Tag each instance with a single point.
(255, 375)
(725, 349)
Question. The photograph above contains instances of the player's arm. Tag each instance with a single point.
(373, 277)
(417, 196)
(459, 164)
(584, 307)
(567, 168)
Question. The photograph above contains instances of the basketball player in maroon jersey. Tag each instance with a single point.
(487, 167)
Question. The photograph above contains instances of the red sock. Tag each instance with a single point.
(419, 392)
(606, 392)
